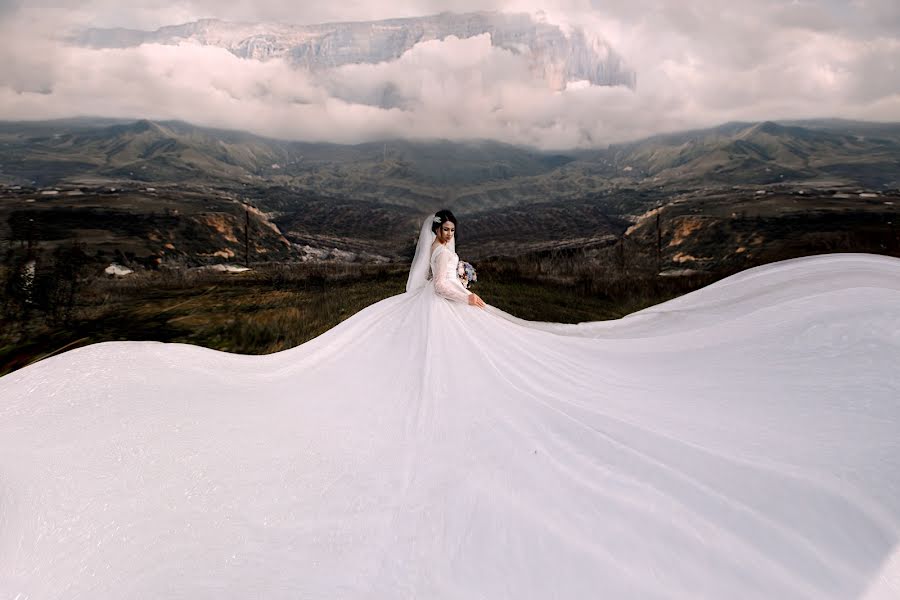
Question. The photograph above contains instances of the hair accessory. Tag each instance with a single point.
(437, 219)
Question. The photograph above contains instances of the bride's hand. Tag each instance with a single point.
(475, 300)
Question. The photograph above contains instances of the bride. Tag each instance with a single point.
(443, 264)
(742, 441)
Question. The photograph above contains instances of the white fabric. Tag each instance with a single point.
(444, 263)
(419, 270)
(742, 441)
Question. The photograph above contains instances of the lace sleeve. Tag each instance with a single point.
(448, 287)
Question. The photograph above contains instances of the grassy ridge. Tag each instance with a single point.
(280, 307)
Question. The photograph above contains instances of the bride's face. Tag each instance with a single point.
(446, 231)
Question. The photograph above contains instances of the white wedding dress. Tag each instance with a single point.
(742, 441)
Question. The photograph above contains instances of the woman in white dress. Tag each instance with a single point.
(445, 262)
(740, 442)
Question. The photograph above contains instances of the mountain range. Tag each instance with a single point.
(734, 191)
(476, 175)
(554, 55)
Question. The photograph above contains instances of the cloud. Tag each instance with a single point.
(699, 63)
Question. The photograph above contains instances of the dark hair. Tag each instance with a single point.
(444, 216)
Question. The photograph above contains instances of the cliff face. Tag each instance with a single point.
(555, 56)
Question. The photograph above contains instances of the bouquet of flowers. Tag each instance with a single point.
(466, 273)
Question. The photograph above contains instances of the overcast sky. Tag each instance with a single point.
(698, 62)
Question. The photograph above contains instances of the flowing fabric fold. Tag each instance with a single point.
(738, 442)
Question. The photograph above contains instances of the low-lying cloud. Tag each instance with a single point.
(698, 63)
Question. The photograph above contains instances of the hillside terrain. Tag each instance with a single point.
(171, 193)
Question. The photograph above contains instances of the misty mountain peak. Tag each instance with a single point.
(768, 127)
(554, 55)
